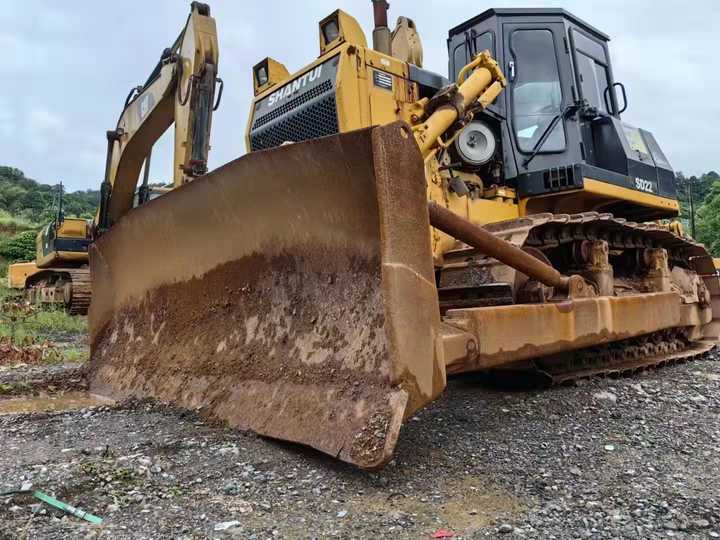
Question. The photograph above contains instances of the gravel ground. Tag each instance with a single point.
(627, 458)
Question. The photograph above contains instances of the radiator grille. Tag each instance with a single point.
(310, 115)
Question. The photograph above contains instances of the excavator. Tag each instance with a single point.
(390, 227)
(59, 275)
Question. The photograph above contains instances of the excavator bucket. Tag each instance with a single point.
(289, 292)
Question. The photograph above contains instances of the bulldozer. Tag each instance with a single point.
(59, 276)
(390, 227)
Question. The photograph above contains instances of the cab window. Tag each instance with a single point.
(536, 94)
(461, 55)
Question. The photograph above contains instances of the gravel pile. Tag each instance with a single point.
(627, 458)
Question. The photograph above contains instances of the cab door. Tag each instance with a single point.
(541, 86)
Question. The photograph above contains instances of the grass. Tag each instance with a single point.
(14, 224)
(55, 321)
(74, 356)
(44, 324)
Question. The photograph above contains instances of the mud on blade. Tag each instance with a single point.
(289, 292)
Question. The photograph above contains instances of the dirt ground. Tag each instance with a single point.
(629, 458)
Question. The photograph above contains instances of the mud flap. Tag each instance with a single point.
(289, 292)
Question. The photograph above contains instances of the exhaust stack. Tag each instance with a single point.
(381, 32)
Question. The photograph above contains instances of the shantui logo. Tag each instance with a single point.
(297, 84)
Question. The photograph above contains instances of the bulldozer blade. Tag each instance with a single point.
(289, 292)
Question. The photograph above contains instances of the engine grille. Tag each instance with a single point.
(310, 115)
(558, 178)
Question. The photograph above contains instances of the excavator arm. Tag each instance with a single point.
(180, 90)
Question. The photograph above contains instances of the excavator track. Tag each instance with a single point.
(70, 287)
(81, 292)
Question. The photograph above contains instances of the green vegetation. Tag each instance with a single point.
(32, 202)
(20, 247)
(12, 225)
(708, 220)
(51, 322)
(26, 206)
(50, 333)
(692, 192)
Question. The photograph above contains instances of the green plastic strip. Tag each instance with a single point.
(77, 512)
(47, 499)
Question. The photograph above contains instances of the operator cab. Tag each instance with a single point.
(557, 126)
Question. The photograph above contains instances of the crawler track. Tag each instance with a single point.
(70, 287)
(627, 357)
(81, 292)
(470, 279)
(547, 232)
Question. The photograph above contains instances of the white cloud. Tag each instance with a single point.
(41, 122)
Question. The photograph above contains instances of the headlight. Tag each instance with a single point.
(330, 31)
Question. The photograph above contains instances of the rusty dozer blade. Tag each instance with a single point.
(289, 292)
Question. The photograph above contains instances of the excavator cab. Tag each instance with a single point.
(557, 129)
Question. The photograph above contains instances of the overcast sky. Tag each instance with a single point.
(68, 66)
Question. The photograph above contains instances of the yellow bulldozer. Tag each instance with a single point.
(389, 227)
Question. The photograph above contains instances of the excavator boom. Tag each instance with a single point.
(180, 91)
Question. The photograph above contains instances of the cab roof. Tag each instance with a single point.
(530, 12)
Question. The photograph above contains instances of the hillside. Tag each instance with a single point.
(26, 205)
(32, 202)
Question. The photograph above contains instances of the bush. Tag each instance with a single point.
(708, 220)
(21, 247)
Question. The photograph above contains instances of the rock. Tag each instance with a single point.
(225, 525)
(701, 524)
(231, 488)
(505, 528)
(605, 396)
(609, 447)
(575, 471)
(229, 450)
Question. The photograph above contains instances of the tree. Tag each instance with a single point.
(691, 193)
(708, 220)
(19, 248)
(25, 198)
